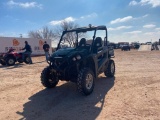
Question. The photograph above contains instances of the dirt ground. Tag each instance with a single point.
(134, 93)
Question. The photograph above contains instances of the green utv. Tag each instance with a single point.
(81, 55)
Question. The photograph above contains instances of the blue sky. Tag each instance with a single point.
(126, 20)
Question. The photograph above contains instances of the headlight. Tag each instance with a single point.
(78, 57)
(74, 59)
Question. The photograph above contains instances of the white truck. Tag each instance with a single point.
(18, 43)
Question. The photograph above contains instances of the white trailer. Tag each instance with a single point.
(18, 43)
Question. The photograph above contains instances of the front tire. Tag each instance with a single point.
(85, 81)
(27, 60)
(110, 71)
(10, 61)
(48, 79)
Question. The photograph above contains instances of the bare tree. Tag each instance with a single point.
(45, 33)
(69, 37)
(55, 34)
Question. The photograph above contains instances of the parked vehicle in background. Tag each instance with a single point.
(125, 48)
(148, 43)
(114, 45)
(136, 46)
(121, 44)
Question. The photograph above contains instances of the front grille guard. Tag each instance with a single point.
(59, 64)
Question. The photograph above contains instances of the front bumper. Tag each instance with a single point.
(65, 70)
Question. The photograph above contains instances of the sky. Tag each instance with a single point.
(126, 20)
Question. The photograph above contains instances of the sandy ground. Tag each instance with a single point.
(134, 93)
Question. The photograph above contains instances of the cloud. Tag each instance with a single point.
(149, 33)
(119, 28)
(89, 16)
(68, 19)
(125, 19)
(153, 3)
(149, 26)
(157, 28)
(134, 32)
(120, 20)
(24, 5)
(133, 3)
(145, 16)
(71, 19)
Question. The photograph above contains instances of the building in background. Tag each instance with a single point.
(18, 43)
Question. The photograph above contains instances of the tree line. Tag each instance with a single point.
(55, 34)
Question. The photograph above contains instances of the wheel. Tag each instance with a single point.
(10, 61)
(27, 60)
(48, 78)
(110, 71)
(85, 81)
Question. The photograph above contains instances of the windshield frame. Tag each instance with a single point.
(83, 30)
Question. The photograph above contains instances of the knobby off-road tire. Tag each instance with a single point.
(85, 81)
(27, 60)
(110, 71)
(48, 79)
(10, 61)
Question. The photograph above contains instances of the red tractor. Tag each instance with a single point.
(12, 56)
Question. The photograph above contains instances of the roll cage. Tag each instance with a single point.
(83, 30)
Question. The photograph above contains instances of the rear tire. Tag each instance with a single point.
(110, 71)
(85, 81)
(48, 79)
(10, 61)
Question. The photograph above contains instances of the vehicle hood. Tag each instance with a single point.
(62, 52)
(69, 52)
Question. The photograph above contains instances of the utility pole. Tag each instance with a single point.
(20, 35)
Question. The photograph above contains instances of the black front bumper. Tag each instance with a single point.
(65, 70)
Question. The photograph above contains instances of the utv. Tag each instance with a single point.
(81, 60)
